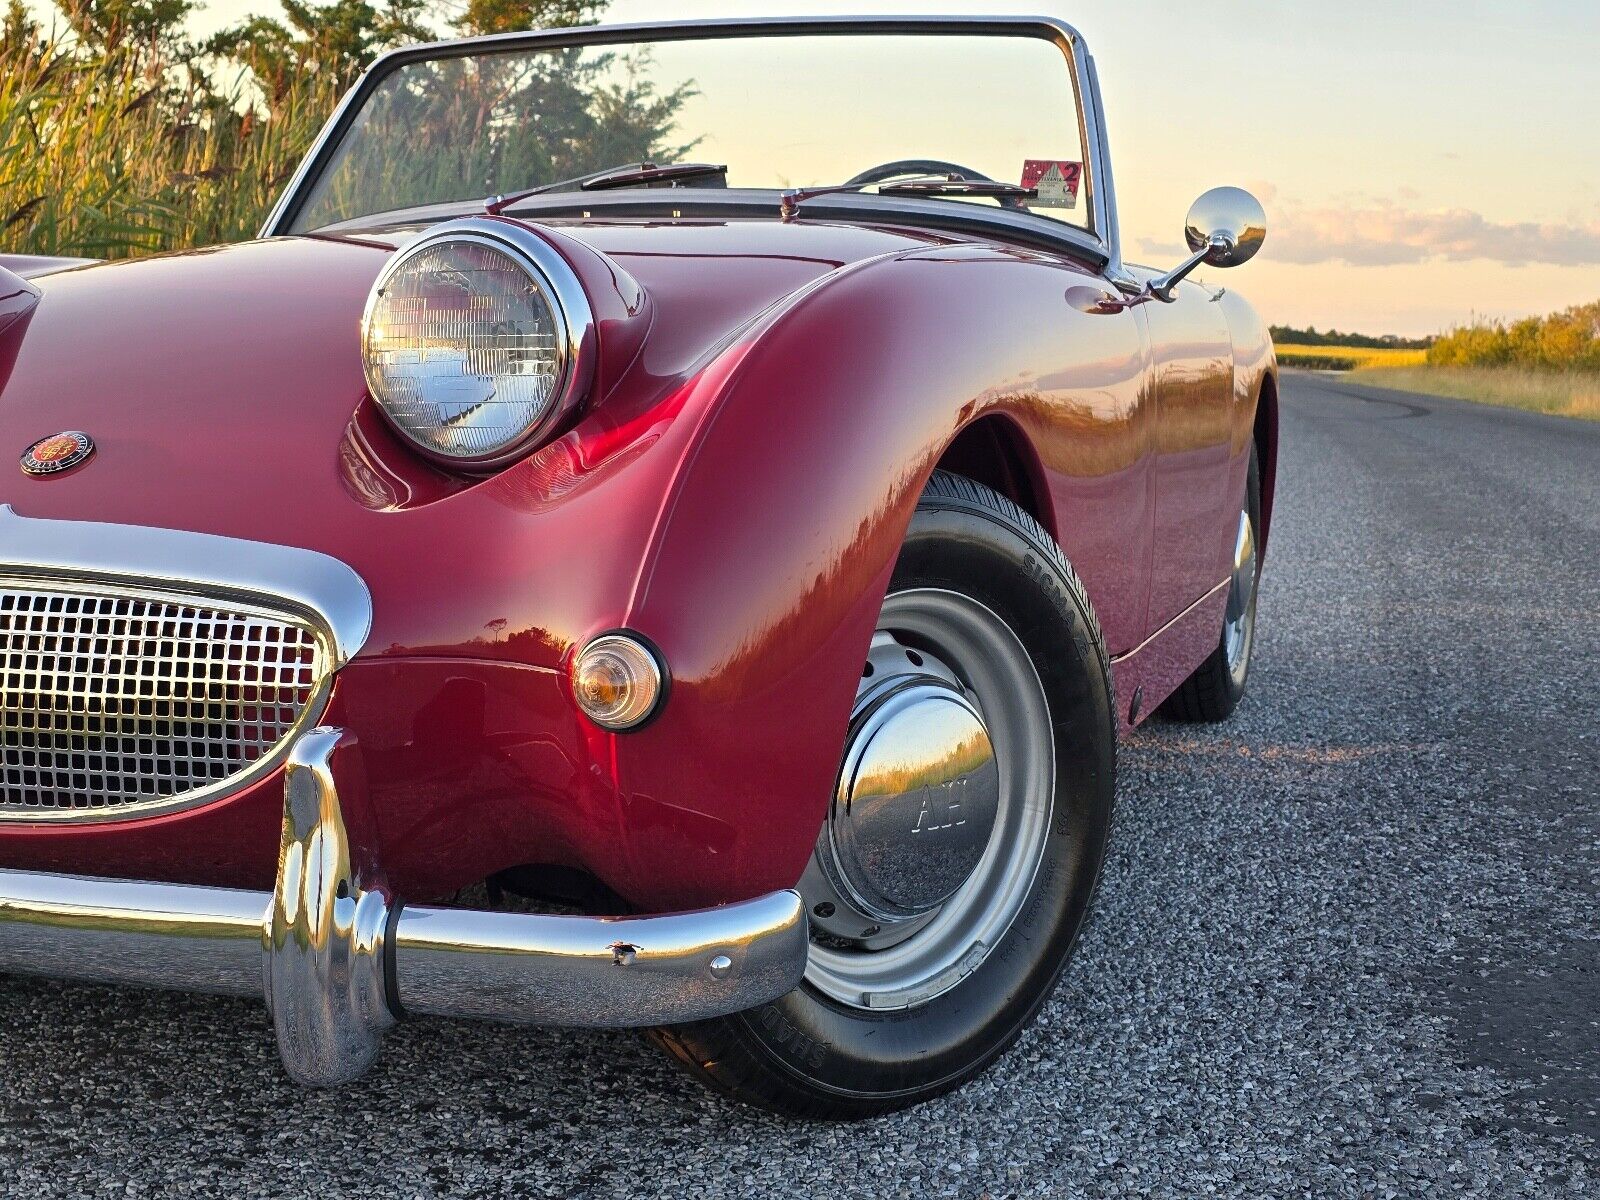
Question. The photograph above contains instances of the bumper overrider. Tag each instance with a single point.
(338, 958)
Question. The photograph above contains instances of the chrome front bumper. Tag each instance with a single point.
(338, 960)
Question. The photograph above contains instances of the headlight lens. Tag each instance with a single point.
(465, 349)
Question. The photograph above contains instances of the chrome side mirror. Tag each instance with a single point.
(1225, 228)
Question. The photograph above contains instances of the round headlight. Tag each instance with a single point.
(469, 347)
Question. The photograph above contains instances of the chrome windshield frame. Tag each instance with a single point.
(1099, 238)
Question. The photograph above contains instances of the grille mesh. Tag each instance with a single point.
(109, 700)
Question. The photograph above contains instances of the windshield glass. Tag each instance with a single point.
(779, 111)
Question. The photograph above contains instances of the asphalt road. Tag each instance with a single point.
(1346, 944)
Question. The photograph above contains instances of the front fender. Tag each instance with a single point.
(775, 551)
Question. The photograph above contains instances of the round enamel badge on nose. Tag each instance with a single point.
(58, 452)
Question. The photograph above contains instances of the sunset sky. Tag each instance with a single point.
(1419, 162)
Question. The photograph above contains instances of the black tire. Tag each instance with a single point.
(1215, 689)
(809, 1055)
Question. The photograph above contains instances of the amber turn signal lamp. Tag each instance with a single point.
(618, 681)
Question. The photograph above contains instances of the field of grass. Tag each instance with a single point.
(1563, 393)
(1548, 364)
(1346, 358)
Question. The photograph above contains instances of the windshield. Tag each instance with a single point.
(778, 111)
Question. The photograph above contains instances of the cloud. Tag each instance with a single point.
(1385, 233)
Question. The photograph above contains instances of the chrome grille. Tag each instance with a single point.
(114, 703)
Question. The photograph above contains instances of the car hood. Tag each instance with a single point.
(237, 369)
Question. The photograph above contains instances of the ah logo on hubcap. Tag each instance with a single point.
(58, 452)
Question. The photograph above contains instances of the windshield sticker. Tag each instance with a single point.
(1056, 180)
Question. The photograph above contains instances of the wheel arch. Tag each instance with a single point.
(994, 450)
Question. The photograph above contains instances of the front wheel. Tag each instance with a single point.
(965, 835)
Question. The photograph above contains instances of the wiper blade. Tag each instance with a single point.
(627, 175)
(953, 186)
(650, 173)
(789, 202)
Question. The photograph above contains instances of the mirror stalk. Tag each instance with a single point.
(1162, 287)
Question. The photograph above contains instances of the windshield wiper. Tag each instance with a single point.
(627, 175)
(954, 186)
(789, 202)
(640, 173)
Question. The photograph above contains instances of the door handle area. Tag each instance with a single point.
(1100, 302)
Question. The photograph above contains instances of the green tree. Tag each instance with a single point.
(342, 38)
(18, 28)
(338, 39)
(150, 25)
(509, 16)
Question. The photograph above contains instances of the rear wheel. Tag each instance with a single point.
(1217, 685)
(965, 836)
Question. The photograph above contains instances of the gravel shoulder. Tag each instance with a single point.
(1346, 944)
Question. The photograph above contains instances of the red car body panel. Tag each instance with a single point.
(771, 399)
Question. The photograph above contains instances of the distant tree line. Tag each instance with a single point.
(1311, 336)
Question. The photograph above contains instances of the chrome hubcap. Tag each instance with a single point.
(1239, 619)
(917, 798)
(939, 818)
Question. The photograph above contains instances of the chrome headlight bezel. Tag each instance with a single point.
(569, 305)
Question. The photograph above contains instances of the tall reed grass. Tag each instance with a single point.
(109, 151)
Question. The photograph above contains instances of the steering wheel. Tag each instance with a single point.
(912, 167)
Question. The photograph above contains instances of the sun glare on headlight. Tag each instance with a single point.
(464, 349)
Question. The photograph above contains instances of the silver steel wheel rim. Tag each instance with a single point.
(929, 954)
(1238, 628)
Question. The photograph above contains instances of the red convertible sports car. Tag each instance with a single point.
(745, 533)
